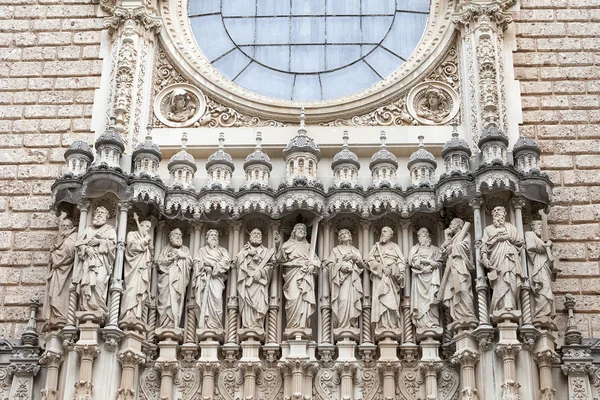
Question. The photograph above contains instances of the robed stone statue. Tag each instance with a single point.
(299, 270)
(425, 261)
(96, 250)
(455, 289)
(174, 265)
(387, 266)
(500, 254)
(345, 267)
(254, 265)
(58, 279)
(138, 268)
(210, 272)
(541, 267)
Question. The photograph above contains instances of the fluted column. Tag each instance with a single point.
(510, 386)
(52, 361)
(209, 372)
(388, 370)
(346, 372)
(467, 358)
(168, 370)
(129, 361)
(545, 359)
(250, 371)
(112, 333)
(87, 355)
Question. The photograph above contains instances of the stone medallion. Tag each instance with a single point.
(179, 105)
(433, 103)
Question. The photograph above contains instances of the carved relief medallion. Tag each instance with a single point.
(433, 103)
(179, 105)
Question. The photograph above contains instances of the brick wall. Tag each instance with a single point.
(558, 64)
(49, 68)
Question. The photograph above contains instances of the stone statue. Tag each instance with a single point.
(542, 272)
(434, 107)
(96, 250)
(254, 264)
(174, 265)
(210, 273)
(299, 268)
(425, 261)
(138, 268)
(455, 288)
(58, 279)
(500, 254)
(345, 265)
(182, 107)
(387, 266)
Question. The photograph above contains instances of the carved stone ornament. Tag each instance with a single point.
(433, 103)
(179, 105)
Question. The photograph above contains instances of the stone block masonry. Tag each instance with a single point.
(49, 69)
(558, 65)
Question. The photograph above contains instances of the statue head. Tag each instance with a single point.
(179, 100)
(499, 216)
(65, 227)
(433, 98)
(176, 238)
(344, 236)
(536, 227)
(101, 215)
(145, 227)
(455, 226)
(212, 238)
(424, 237)
(386, 234)
(256, 237)
(299, 232)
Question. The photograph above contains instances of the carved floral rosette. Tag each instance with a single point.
(195, 105)
(419, 108)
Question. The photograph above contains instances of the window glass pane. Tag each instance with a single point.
(238, 7)
(273, 30)
(307, 88)
(211, 26)
(378, 7)
(308, 58)
(413, 5)
(343, 30)
(272, 7)
(374, 29)
(232, 63)
(406, 33)
(308, 30)
(308, 7)
(241, 30)
(339, 56)
(347, 80)
(277, 57)
(266, 81)
(337, 7)
(383, 61)
(196, 7)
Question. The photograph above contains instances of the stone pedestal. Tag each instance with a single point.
(508, 348)
(545, 356)
(388, 364)
(52, 358)
(430, 365)
(466, 356)
(167, 362)
(130, 357)
(88, 349)
(346, 366)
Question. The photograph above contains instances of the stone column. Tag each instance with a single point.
(168, 370)
(152, 316)
(112, 333)
(190, 347)
(388, 370)
(250, 371)
(430, 366)
(466, 356)
(481, 25)
(52, 361)
(23, 372)
(209, 371)
(510, 386)
(231, 346)
(271, 348)
(129, 360)
(133, 29)
(367, 347)
(408, 348)
(517, 205)
(325, 289)
(545, 357)
(346, 371)
(87, 355)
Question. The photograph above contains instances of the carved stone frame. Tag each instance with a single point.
(181, 48)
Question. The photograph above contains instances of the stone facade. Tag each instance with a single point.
(55, 54)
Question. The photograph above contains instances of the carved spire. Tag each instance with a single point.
(302, 128)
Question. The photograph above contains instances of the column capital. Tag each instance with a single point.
(476, 203)
(84, 205)
(517, 203)
(236, 225)
(467, 357)
(137, 17)
(546, 358)
(365, 225)
(508, 351)
(197, 226)
(129, 358)
(87, 351)
(475, 13)
(52, 359)
(404, 224)
(168, 368)
(124, 206)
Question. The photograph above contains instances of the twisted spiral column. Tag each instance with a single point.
(481, 285)
(409, 336)
(367, 332)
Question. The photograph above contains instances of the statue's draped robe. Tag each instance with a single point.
(541, 277)
(425, 286)
(173, 279)
(346, 287)
(455, 291)
(96, 266)
(505, 264)
(138, 260)
(255, 265)
(298, 287)
(386, 287)
(210, 286)
(60, 269)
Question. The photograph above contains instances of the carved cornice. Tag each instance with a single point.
(140, 16)
(483, 13)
